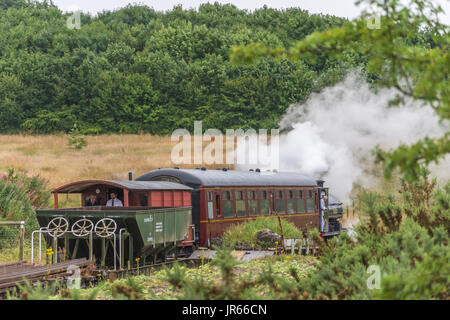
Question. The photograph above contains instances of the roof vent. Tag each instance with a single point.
(224, 169)
(130, 175)
(176, 168)
(250, 170)
(275, 170)
(203, 169)
(197, 168)
(218, 169)
(258, 170)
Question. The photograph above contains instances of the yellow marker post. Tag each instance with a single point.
(137, 260)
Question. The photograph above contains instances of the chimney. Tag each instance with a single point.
(130, 175)
(320, 183)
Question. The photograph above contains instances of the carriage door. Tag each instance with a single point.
(272, 208)
(218, 204)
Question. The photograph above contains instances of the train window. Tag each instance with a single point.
(281, 209)
(263, 203)
(290, 202)
(252, 203)
(301, 205)
(226, 195)
(310, 203)
(299, 194)
(143, 199)
(240, 204)
(209, 195)
(227, 205)
(210, 210)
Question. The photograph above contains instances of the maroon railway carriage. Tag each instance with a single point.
(224, 197)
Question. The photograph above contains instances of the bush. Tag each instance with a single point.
(20, 195)
(244, 234)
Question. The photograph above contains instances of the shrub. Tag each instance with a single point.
(20, 195)
(245, 233)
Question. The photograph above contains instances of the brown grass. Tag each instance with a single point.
(105, 157)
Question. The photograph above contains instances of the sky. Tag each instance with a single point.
(341, 8)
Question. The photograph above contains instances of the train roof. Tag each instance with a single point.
(223, 178)
(80, 186)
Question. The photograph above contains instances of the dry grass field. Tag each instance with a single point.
(105, 156)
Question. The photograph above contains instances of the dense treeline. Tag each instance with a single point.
(139, 70)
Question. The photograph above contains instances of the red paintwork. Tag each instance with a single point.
(211, 228)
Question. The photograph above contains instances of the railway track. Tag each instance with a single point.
(15, 273)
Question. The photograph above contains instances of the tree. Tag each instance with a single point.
(408, 50)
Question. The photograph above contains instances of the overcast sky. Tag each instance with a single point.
(342, 8)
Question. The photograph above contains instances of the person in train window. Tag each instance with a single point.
(114, 202)
(92, 201)
(323, 201)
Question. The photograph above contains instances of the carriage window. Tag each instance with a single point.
(210, 210)
(264, 203)
(310, 203)
(143, 199)
(240, 204)
(301, 203)
(291, 202)
(252, 203)
(227, 205)
(280, 202)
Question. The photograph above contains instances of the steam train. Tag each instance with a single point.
(173, 211)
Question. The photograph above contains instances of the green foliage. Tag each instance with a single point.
(20, 195)
(137, 70)
(36, 291)
(76, 140)
(409, 52)
(244, 234)
(130, 290)
(398, 237)
(52, 290)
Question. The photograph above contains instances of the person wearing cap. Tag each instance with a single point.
(114, 202)
(323, 207)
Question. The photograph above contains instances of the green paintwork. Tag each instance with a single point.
(149, 228)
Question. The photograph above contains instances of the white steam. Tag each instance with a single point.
(332, 135)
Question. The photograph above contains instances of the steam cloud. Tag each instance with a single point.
(332, 135)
